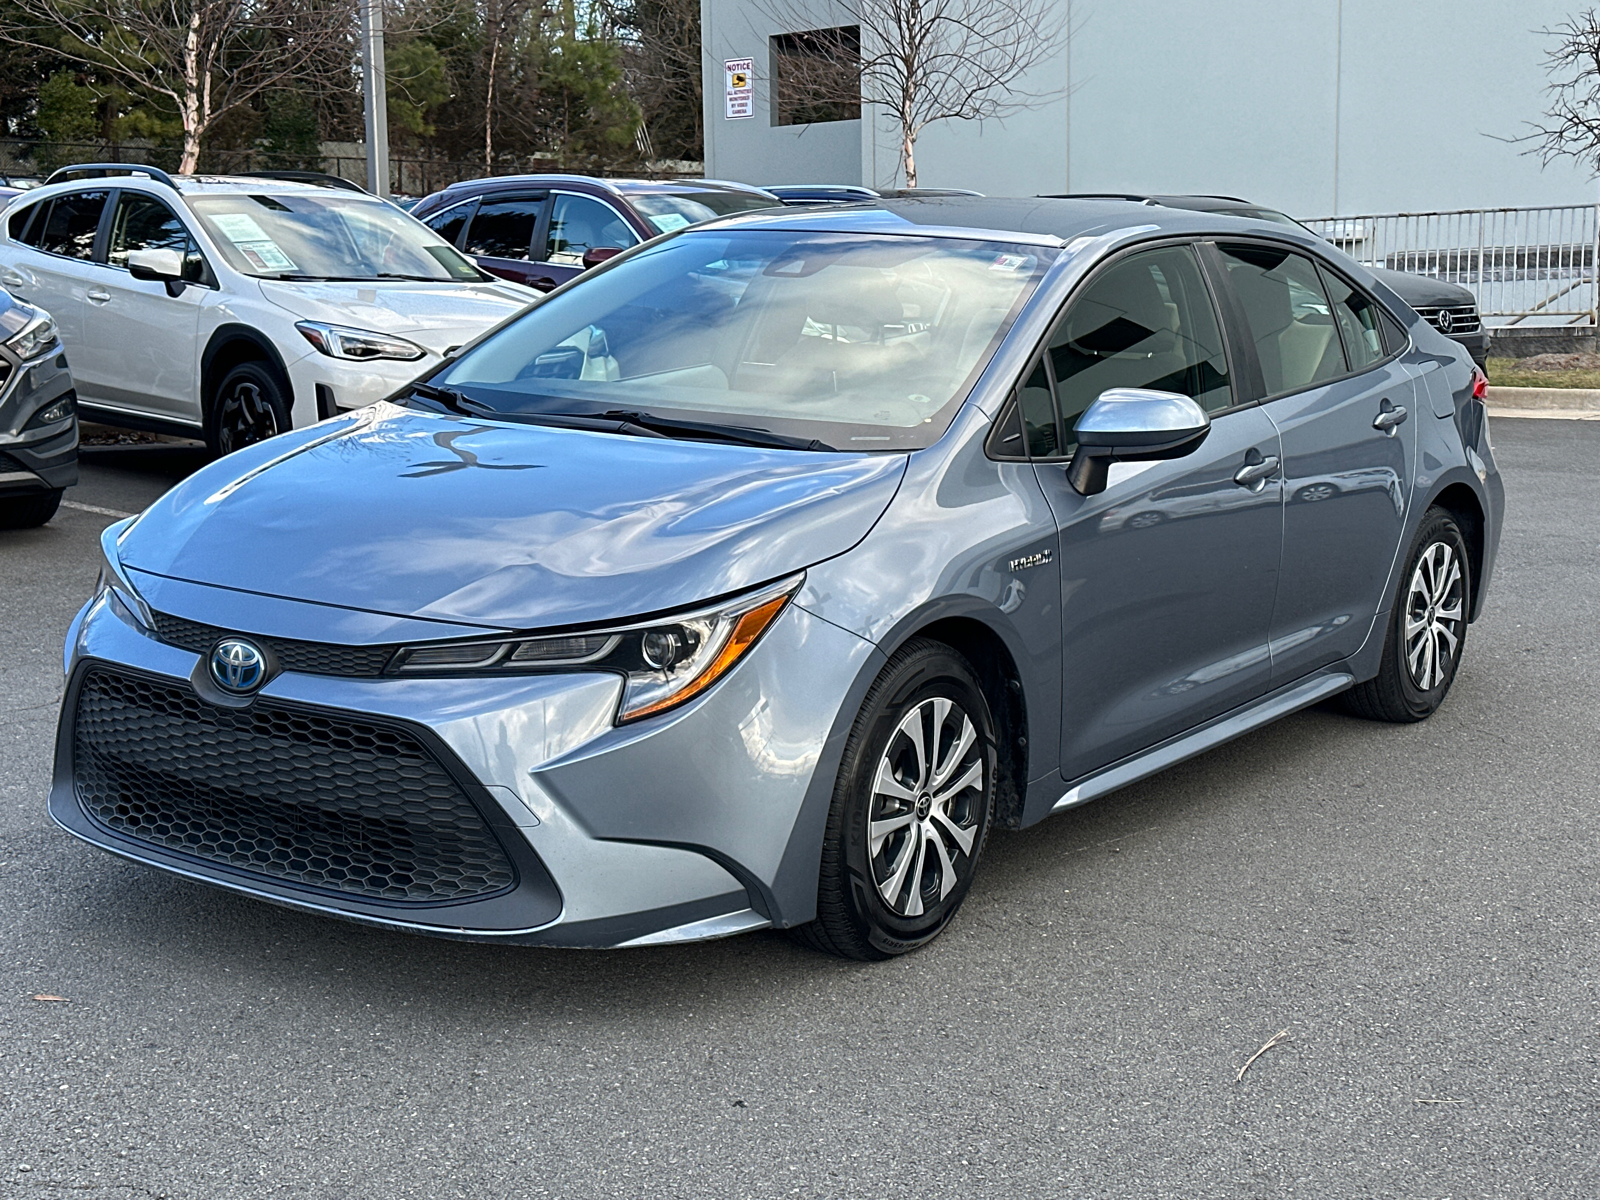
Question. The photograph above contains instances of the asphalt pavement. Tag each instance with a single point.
(1415, 905)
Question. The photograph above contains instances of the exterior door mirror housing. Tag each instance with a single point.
(156, 266)
(1132, 425)
(596, 255)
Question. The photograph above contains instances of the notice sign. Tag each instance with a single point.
(741, 87)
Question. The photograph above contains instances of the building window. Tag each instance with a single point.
(816, 76)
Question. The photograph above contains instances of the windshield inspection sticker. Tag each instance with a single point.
(1012, 262)
(252, 241)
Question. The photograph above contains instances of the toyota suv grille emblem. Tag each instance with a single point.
(237, 665)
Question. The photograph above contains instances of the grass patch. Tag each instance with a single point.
(1515, 372)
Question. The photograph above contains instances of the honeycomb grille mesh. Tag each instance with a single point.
(316, 799)
(314, 658)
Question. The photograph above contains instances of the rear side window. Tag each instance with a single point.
(449, 223)
(144, 223)
(18, 224)
(71, 226)
(1147, 322)
(1360, 323)
(1288, 316)
(503, 228)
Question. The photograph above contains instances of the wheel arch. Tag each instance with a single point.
(231, 345)
(1462, 503)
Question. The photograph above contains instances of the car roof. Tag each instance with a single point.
(616, 186)
(1040, 219)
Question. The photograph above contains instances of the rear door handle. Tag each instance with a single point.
(1389, 418)
(99, 296)
(15, 279)
(1254, 475)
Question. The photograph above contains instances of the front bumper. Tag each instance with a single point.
(675, 829)
(44, 458)
(325, 387)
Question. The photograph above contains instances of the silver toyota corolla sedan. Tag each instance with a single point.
(755, 577)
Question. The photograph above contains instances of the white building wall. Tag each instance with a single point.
(1316, 107)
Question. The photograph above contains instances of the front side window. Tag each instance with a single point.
(69, 228)
(859, 342)
(144, 223)
(504, 228)
(326, 236)
(1146, 322)
(1287, 316)
(579, 224)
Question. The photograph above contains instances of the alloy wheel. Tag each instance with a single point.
(246, 417)
(1434, 602)
(927, 802)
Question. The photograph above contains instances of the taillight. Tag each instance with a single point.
(1480, 384)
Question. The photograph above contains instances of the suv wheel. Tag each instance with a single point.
(29, 511)
(250, 406)
(1427, 628)
(911, 809)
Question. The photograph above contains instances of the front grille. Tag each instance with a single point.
(314, 658)
(1463, 318)
(316, 798)
(10, 463)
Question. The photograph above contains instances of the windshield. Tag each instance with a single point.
(667, 211)
(327, 236)
(859, 342)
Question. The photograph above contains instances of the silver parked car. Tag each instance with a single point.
(753, 578)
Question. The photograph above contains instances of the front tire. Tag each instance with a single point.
(1427, 628)
(250, 406)
(29, 511)
(911, 809)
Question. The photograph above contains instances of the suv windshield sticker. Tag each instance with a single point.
(252, 242)
(667, 222)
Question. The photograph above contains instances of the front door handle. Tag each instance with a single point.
(99, 295)
(1389, 418)
(1256, 471)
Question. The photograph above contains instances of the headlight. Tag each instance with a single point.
(358, 344)
(664, 662)
(37, 336)
(114, 579)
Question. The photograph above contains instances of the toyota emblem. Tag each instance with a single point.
(237, 666)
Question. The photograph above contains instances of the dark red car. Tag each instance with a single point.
(542, 230)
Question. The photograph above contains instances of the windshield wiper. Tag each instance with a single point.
(459, 402)
(742, 434)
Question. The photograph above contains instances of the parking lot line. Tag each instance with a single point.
(94, 508)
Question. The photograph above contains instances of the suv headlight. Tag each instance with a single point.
(664, 662)
(37, 336)
(358, 345)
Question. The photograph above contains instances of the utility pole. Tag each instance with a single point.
(375, 92)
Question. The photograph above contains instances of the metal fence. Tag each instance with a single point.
(1527, 266)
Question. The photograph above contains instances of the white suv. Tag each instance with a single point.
(233, 307)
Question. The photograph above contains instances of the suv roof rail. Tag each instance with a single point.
(101, 170)
(317, 177)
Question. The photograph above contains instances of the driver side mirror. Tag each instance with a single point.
(158, 266)
(1132, 425)
(596, 255)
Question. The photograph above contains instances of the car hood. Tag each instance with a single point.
(439, 316)
(517, 527)
(1419, 291)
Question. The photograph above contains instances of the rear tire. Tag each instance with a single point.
(29, 511)
(251, 404)
(911, 809)
(1427, 628)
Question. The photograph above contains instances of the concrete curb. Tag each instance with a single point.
(1575, 404)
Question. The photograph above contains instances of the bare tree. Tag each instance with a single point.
(1571, 128)
(925, 61)
(206, 57)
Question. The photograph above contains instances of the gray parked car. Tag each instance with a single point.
(38, 417)
(753, 578)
